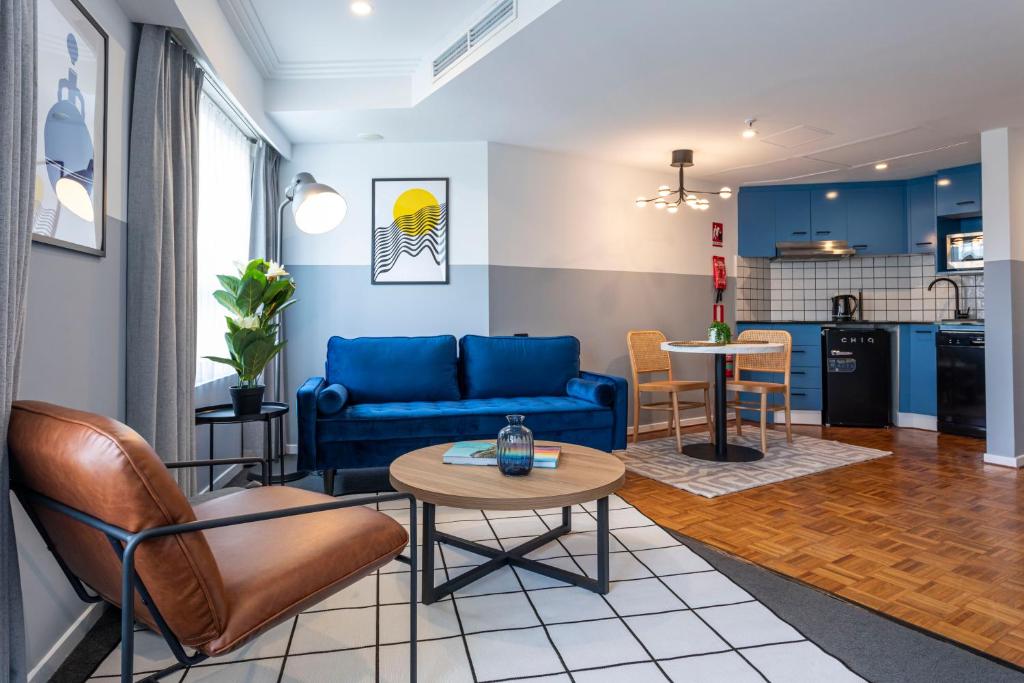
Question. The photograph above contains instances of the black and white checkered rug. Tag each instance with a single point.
(670, 616)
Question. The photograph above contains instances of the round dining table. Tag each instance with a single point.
(721, 450)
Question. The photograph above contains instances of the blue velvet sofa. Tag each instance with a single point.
(384, 396)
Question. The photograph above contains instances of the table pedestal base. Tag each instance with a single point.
(514, 557)
(733, 453)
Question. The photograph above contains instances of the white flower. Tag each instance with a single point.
(248, 322)
(275, 270)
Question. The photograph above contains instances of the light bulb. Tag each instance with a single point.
(749, 133)
(320, 212)
(704, 207)
(673, 208)
(691, 197)
(881, 166)
(725, 192)
(659, 203)
(831, 194)
(692, 203)
(943, 182)
(640, 202)
(664, 191)
(361, 8)
(703, 202)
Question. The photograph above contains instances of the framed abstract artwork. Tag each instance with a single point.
(70, 170)
(410, 231)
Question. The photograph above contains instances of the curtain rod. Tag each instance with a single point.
(223, 98)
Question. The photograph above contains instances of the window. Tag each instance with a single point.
(225, 206)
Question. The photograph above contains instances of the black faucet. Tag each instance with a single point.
(957, 313)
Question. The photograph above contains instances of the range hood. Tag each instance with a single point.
(821, 249)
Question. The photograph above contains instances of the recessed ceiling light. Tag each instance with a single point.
(361, 8)
(370, 137)
(943, 182)
(749, 132)
(831, 194)
(881, 166)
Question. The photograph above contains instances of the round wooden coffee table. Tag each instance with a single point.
(583, 474)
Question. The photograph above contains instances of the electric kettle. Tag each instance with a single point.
(843, 307)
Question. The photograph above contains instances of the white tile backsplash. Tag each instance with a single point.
(895, 288)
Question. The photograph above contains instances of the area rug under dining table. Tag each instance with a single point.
(658, 459)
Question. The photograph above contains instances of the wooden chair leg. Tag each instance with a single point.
(675, 419)
(636, 415)
(789, 421)
(764, 423)
(739, 418)
(707, 416)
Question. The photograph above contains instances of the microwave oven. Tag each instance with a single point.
(965, 251)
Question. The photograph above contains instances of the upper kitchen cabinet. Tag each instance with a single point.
(958, 191)
(756, 223)
(828, 214)
(876, 218)
(922, 236)
(792, 215)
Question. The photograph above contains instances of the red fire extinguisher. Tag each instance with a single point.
(718, 309)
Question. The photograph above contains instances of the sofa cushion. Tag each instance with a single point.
(386, 369)
(589, 390)
(471, 418)
(494, 367)
(331, 399)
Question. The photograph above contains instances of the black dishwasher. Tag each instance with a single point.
(856, 377)
(961, 382)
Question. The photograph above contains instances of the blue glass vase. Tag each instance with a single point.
(515, 447)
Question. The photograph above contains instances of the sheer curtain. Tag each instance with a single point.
(225, 209)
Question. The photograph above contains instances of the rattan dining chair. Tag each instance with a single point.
(777, 363)
(647, 357)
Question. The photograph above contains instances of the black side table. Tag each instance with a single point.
(224, 414)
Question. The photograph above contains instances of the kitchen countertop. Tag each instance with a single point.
(860, 322)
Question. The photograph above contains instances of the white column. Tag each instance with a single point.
(1002, 164)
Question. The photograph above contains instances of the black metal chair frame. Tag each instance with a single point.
(126, 543)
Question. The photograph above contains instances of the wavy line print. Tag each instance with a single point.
(410, 234)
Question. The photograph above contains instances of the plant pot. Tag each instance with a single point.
(247, 400)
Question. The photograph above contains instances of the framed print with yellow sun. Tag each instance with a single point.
(410, 231)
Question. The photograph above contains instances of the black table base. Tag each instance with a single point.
(514, 557)
(733, 453)
(721, 450)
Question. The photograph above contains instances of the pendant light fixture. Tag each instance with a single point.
(670, 199)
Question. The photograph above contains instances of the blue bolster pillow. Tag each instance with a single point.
(588, 390)
(332, 399)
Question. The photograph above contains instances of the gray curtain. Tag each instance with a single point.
(161, 268)
(17, 168)
(266, 194)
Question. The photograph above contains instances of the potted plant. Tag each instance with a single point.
(254, 298)
(719, 333)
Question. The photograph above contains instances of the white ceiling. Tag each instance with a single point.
(835, 85)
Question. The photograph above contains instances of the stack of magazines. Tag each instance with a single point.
(485, 453)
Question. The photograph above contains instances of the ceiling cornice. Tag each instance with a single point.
(244, 18)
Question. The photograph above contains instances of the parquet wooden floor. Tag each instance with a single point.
(931, 535)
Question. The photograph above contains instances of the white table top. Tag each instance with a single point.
(727, 348)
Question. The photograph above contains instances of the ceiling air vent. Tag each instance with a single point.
(451, 55)
(497, 18)
(502, 12)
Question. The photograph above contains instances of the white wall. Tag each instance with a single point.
(73, 352)
(550, 210)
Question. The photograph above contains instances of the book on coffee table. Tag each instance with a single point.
(485, 453)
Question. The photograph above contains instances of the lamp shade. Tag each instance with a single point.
(317, 208)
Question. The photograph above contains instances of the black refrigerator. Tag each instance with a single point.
(856, 369)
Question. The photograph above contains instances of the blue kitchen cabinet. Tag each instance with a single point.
(805, 371)
(756, 223)
(828, 214)
(958, 191)
(922, 236)
(917, 369)
(876, 218)
(792, 215)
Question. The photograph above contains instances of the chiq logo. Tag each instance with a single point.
(857, 340)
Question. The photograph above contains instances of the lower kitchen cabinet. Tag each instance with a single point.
(917, 369)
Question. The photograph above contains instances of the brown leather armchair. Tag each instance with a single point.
(210, 577)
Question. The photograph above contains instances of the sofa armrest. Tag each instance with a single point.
(305, 400)
(598, 393)
(619, 405)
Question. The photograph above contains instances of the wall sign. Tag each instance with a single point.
(716, 234)
(410, 231)
(70, 173)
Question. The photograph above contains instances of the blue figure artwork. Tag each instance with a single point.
(68, 146)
